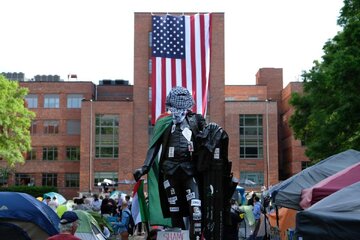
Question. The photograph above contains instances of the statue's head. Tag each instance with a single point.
(180, 98)
(179, 101)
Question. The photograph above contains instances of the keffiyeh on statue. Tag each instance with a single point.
(179, 101)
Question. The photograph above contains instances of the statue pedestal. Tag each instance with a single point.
(173, 235)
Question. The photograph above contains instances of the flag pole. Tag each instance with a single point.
(147, 223)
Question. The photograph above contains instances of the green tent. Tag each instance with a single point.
(67, 206)
(101, 220)
(89, 228)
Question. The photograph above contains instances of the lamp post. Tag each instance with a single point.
(267, 101)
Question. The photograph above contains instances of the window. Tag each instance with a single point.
(73, 153)
(51, 126)
(74, 100)
(251, 136)
(33, 127)
(150, 68)
(100, 176)
(24, 179)
(107, 136)
(32, 100)
(150, 39)
(251, 179)
(73, 127)
(50, 153)
(51, 101)
(304, 165)
(49, 179)
(72, 180)
(31, 155)
(150, 94)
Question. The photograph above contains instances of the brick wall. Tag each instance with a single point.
(233, 110)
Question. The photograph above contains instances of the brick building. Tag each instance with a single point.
(84, 133)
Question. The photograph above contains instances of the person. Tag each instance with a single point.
(120, 223)
(257, 215)
(106, 208)
(53, 203)
(251, 200)
(47, 200)
(231, 230)
(128, 200)
(178, 161)
(96, 203)
(79, 204)
(69, 222)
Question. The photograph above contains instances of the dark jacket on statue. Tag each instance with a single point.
(212, 137)
(216, 180)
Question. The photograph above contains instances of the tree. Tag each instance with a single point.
(327, 114)
(15, 122)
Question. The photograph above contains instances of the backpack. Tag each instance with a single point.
(131, 224)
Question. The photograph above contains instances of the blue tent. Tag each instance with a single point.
(240, 195)
(28, 216)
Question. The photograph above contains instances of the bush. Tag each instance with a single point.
(35, 191)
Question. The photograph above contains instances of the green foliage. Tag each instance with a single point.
(15, 122)
(34, 191)
(327, 114)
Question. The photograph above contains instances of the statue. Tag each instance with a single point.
(187, 142)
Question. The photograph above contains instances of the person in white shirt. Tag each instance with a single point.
(53, 203)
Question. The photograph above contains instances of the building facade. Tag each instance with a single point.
(84, 133)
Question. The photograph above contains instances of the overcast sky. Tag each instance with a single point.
(94, 39)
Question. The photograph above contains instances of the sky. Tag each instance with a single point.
(94, 39)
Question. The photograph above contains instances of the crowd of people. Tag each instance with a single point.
(248, 213)
(115, 210)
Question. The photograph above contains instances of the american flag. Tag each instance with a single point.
(180, 57)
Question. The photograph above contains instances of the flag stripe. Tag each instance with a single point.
(203, 57)
(183, 73)
(188, 68)
(192, 71)
(163, 88)
(207, 64)
(153, 84)
(178, 72)
(193, 59)
(173, 72)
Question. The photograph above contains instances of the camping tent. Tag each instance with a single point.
(67, 206)
(330, 185)
(288, 193)
(60, 198)
(285, 218)
(101, 220)
(334, 217)
(89, 228)
(24, 217)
